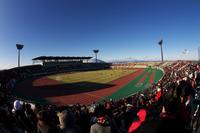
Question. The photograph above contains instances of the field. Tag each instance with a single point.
(86, 87)
(100, 76)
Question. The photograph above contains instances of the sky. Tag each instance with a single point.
(120, 29)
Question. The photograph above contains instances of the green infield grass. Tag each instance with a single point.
(100, 76)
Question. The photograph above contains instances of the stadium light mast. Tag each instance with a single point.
(199, 54)
(161, 50)
(95, 52)
(19, 48)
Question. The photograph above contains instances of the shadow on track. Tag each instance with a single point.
(59, 89)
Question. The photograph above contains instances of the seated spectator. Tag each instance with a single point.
(67, 123)
(21, 120)
(101, 121)
(4, 124)
(44, 124)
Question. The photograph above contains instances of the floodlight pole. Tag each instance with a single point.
(161, 52)
(96, 57)
(96, 51)
(19, 48)
(18, 58)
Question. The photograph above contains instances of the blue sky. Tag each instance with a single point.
(120, 29)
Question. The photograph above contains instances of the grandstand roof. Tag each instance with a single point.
(61, 58)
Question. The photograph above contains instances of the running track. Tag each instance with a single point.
(29, 88)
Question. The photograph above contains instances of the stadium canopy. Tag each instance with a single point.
(60, 58)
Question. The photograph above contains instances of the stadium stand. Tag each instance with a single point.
(172, 103)
(55, 64)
